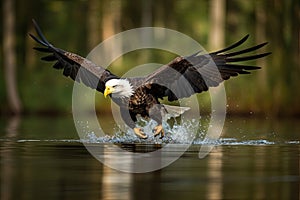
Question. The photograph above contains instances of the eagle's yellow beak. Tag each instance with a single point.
(108, 90)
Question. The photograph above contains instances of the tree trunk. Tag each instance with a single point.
(146, 13)
(93, 24)
(111, 25)
(260, 35)
(217, 21)
(9, 58)
(216, 41)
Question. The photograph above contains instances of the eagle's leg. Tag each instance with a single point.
(130, 119)
(155, 114)
(159, 130)
(139, 132)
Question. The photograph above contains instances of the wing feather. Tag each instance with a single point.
(74, 66)
(185, 76)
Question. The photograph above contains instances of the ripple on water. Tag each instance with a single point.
(185, 133)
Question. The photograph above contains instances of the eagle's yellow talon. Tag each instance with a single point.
(140, 133)
(159, 130)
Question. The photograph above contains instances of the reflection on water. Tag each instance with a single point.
(44, 159)
(7, 172)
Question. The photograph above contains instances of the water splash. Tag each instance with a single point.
(184, 133)
(188, 132)
(233, 142)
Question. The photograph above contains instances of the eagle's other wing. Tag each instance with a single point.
(74, 66)
(185, 76)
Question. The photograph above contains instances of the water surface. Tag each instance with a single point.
(43, 158)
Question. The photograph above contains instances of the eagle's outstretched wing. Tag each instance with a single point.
(185, 76)
(74, 66)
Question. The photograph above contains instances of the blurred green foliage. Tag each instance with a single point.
(272, 91)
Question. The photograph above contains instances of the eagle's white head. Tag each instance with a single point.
(118, 88)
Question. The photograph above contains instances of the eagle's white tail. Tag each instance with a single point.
(172, 111)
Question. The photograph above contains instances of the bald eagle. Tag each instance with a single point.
(182, 77)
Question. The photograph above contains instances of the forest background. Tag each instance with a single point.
(29, 85)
